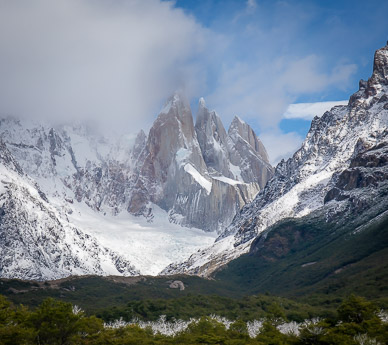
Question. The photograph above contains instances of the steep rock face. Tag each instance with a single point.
(238, 154)
(242, 129)
(37, 242)
(212, 139)
(248, 153)
(301, 184)
(171, 139)
(368, 171)
(186, 170)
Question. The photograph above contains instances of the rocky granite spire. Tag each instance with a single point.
(239, 127)
(187, 171)
(247, 152)
(212, 139)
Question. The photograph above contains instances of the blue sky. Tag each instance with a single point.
(117, 61)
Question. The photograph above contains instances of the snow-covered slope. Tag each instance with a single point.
(301, 183)
(37, 242)
(149, 246)
(77, 202)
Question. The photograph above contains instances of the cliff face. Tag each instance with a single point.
(198, 173)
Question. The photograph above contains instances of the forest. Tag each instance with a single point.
(356, 321)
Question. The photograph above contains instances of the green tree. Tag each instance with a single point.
(356, 309)
(56, 324)
(13, 328)
(270, 335)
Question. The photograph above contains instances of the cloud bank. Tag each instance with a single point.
(307, 111)
(115, 61)
(264, 92)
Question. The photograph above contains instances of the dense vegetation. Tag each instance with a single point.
(308, 256)
(93, 293)
(356, 321)
(196, 306)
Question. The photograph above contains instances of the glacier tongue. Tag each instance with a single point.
(149, 246)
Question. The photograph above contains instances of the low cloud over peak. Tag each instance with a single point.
(112, 61)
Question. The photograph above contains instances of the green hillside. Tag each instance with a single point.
(307, 257)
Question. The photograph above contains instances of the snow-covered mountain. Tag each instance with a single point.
(73, 201)
(319, 173)
(37, 242)
(77, 202)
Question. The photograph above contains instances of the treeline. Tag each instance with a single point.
(195, 306)
(357, 321)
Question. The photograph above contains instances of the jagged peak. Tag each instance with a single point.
(177, 101)
(141, 134)
(203, 112)
(239, 119)
(237, 126)
(204, 115)
(202, 102)
(380, 64)
(141, 138)
(376, 82)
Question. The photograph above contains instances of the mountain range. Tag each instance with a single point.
(59, 181)
(72, 199)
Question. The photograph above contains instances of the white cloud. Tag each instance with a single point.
(111, 60)
(264, 91)
(308, 111)
(118, 61)
(280, 145)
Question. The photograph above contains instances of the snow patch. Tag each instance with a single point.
(236, 171)
(202, 181)
(227, 180)
(182, 155)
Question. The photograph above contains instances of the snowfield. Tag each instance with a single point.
(150, 247)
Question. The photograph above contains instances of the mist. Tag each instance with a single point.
(113, 62)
